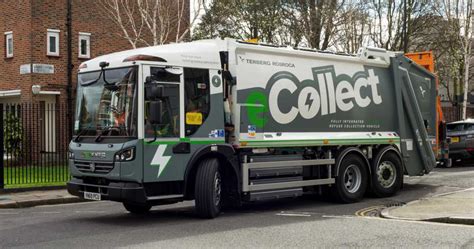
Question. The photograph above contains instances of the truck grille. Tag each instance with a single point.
(94, 167)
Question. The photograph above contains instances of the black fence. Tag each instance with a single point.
(34, 140)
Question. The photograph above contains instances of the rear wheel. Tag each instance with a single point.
(137, 208)
(208, 189)
(387, 174)
(351, 180)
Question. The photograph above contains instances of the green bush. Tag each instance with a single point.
(12, 134)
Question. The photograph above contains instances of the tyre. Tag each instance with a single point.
(208, 189)
(137, 208)
(387, 174)
(447, 163)
(351, 180)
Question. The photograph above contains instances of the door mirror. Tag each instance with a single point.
(155, 112)
(154, 91)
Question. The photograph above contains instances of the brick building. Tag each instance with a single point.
(34, 41)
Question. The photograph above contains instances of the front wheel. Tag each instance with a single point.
(351, 180)
(137, 208)
(387, 174)
(208, 189)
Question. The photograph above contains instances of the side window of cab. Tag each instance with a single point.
(169, 83)
(196, 98)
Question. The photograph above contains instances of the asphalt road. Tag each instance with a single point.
(305, 222)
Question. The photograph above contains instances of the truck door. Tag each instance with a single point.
(157, 154)
(189, 122)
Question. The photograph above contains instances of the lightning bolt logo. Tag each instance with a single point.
(160, 160)
(309, 101)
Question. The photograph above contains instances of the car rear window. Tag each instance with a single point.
(455, 127)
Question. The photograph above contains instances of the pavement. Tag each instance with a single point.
(455, 207)
(36, 198)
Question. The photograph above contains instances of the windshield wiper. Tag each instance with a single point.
(105, 130)
(76, 139)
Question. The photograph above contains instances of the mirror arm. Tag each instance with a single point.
(154, 133)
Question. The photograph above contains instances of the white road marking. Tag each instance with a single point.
(46, 212)
(89, 211)
(294, 214)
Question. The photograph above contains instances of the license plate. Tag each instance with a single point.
(455, 140)
(92, 196)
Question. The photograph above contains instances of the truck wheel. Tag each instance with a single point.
(447, 163)
(208, 189)
(387, 175)
(137, 208)
(351, 180)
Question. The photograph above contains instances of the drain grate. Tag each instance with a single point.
(375, 211)
(395, 204)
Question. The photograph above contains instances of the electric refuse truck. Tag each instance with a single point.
(223, 122)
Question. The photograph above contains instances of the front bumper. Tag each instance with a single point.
(115, 191)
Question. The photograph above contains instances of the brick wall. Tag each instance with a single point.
(29, 21)
(15, 16)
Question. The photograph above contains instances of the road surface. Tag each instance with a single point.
(305, 222)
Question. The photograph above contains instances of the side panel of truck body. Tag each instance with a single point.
(293, 98)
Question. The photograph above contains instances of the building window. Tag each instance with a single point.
(53, 42)
(9, 44)
(84, 45)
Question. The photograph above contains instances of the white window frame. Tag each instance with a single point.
(8, 35)
(87, 38)
(52, 33)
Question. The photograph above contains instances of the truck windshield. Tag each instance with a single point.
(107, 108)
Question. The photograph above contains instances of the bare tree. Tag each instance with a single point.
(123, 14)
(458, 17)
(319, 20)
(152, 22)
(354, 26)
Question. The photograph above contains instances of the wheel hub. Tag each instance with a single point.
(352, 178)
(386, 174)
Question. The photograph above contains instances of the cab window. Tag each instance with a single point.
(197, 98)
(169, 82)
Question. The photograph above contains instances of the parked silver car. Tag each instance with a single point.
(461, 134)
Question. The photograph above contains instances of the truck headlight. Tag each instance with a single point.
(71, 155)
(125, 155)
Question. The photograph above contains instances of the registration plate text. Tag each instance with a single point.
(92, 196)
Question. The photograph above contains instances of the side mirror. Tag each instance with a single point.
(155, 112)
(154, 91)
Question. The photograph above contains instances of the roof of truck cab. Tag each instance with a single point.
(203, 52)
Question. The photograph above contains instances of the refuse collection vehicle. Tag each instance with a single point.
(223, 122)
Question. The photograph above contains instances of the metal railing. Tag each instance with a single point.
(34, 140)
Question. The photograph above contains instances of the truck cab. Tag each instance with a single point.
(142, 116)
